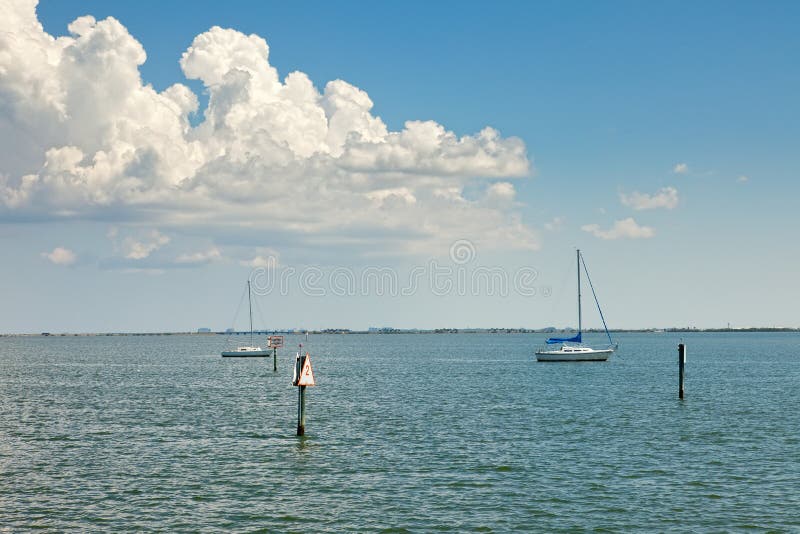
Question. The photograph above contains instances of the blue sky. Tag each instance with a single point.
(691, 105)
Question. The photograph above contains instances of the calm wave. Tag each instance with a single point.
(404, 433)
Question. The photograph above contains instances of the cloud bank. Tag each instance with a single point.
(85, 137)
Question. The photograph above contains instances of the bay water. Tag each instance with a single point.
(406, 432)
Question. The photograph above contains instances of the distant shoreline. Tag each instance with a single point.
(388, 331)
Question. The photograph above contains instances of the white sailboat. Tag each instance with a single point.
(572, 349)
(248, 351)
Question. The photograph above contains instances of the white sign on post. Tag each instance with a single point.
(306, 374)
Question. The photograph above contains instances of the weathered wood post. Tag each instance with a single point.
(681, 365)
(303, 377)
(274, 358)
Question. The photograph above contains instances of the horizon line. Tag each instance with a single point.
(389, 330)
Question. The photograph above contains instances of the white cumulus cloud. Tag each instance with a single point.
(86, 137)
(137, 249)
(666, 197)
(260, 261)
(60, 256)
(622, 229)
(680, 168)
(500, 195)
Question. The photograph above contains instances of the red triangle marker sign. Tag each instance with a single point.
(306, 375)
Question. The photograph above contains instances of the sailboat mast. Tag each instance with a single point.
(580, 326)
(250, 305)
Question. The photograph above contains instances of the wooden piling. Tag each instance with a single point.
(681, 365)
(275, 359)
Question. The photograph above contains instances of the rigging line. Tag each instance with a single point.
(586, 270)
(236, 315)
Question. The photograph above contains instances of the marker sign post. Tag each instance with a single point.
(303, 377)
(275, 342)
(681, 365)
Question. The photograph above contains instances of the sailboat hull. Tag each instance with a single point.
(600, 355)
(246, 353)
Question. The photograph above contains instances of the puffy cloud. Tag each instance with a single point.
(260, 257)
(137, 249)
(87, 138)
(622, 229)
(60, 256)
(666, 197)
(501, 192)
(159, 263)
(680, 168)
(390, 198)
(260, 261)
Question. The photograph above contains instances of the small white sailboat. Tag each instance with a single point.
(572, 348)
(248, 351)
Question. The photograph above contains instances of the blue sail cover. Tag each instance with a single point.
(576, 339)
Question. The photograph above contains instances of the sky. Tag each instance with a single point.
(408, 165)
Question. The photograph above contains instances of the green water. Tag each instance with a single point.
(404, 433)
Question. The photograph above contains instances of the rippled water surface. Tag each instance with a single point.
(405, 432)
